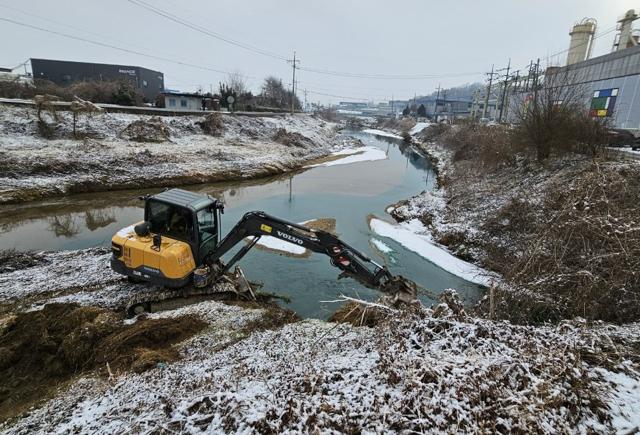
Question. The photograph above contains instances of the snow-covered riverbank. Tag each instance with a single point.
(426, 369)
(105, 157)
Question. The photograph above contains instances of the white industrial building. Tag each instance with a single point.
(611, 82)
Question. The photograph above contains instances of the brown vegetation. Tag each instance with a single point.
(212, 124)
(109, 92)
(359, 314)
(40, 350)
(289, 138)
(578, 255)
(147, 130)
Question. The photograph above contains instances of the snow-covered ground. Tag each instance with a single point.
(414, 236)
(33, 167)
(433, 370)
(283, 246)
(427, 369)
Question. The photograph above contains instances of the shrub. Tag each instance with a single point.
(109, 92)
(212, 124)
(490, 146)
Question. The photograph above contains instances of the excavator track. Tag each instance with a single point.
(232, 286)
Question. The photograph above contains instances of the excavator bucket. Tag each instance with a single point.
(401, 289)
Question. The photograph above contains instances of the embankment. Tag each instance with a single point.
(110, 151)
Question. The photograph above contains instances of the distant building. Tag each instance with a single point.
(349, 105)
(182, 101)
(62, 72)
(610, 83)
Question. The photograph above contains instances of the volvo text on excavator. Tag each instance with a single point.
(179, 245)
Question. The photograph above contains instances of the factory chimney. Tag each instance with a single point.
(581, 41)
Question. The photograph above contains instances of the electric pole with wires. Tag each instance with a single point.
(504, 90)
(294, 65)
(488, 94)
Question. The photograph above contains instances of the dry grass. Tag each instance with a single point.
(39, 350)
(489, 146)
(151, 130)
(212, 124)
(577, 253)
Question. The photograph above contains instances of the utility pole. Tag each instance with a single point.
(435, 108)
(305, 100)
(444, 100)
(504, 90)
(526, 86)
(294, 65)
(535, 86)
(486, 97)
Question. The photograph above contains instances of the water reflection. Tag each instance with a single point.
(95, 219)
(64, 226)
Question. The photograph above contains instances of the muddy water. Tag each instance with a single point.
(347, 193)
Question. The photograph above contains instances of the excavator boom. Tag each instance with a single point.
(349, 260)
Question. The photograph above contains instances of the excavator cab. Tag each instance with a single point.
(179, 229)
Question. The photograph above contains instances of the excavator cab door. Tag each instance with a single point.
(207, 232)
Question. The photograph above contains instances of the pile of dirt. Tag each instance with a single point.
(322, 224)
(289, 139)
(40, 350)
(11, 260)
(147, 130)
(212, 124)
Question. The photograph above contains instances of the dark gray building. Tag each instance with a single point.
(62, 72)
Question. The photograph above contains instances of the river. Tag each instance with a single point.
(348, 193)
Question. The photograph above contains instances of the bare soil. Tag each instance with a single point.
(41, 350)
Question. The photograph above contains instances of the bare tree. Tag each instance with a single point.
(554, 116)
(236, 82)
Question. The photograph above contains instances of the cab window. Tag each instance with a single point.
(170, 221)
(206, 223)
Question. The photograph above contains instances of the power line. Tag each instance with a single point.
(59, 23)
(115, 47)
(388, 76)
(139, 53)
(205, 31)
(254, 49)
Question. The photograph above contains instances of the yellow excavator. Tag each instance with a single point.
(178, 246)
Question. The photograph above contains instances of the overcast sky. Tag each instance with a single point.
(457, 40)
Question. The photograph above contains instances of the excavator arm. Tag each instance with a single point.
(349, 260)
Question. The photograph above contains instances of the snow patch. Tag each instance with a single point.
(381, 246)
(280, 245)
(418, 128)
(624, 401)
(363, 154)
(413, 236)
(377, 132)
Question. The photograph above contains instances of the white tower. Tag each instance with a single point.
(626, 37)
(581, 41)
